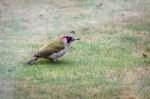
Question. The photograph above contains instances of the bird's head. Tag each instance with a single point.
(68, 39)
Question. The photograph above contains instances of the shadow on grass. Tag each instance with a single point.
(48, 62)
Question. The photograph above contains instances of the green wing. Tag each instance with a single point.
(49, 48)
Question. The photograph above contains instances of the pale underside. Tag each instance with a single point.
(54, 56)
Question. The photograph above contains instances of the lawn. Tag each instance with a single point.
(111, 61)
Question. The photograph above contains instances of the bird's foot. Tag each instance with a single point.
(53, 60)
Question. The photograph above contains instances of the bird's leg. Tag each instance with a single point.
(53, 57)
(32, 61)
(53, 60)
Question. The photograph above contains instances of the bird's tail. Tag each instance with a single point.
(30, 62)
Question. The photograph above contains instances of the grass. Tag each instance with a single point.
(107, 63)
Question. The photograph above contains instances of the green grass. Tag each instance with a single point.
(106, 64)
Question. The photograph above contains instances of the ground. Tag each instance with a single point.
(111, 61)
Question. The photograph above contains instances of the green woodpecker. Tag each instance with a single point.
(54, 49)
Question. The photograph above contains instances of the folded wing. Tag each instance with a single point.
(49, 48)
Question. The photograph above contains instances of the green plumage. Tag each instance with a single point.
(53, 46)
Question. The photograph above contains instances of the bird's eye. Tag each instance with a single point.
(69, 39)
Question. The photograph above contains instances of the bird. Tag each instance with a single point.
(53, 49)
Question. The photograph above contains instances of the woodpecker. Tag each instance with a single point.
(53, 49)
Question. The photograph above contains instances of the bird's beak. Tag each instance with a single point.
(76, 39)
